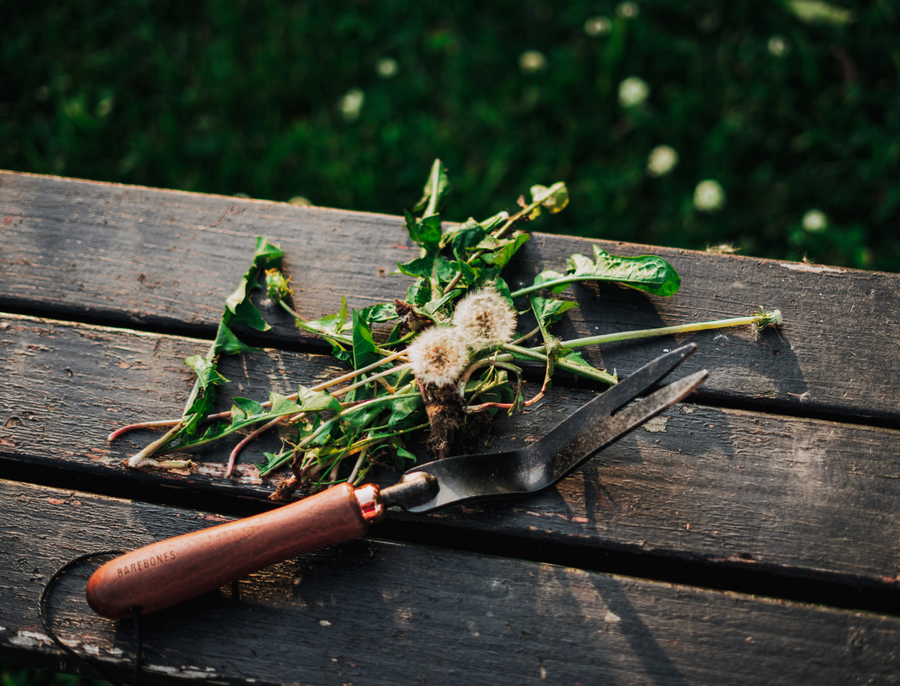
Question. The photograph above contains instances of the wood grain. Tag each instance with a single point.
(730, 488)
(379, 613)
(173, 570)
(164, 260)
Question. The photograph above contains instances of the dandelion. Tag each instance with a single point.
(438, 356)
(815, 221)
(351, 104)
(661, 161)
(532, 61)
(778, 46)
(709, 196)
(484, 319)
(628, 10)
(597, 26)
(277, 288)
(386, 67)
(633, 91)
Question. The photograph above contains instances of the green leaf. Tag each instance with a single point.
(426, 232)
(365, 352)
(553, 199)
(206, 371)
(549, 277)
(405, 412)
(332, 324)
(403, 455)
(501, 256)
(549, 311)
(419, 293)
(315, 401)
(437, 185)
(466, 237)
(226, 342)
(432, 307)
(238, 308)
(244, 409)
(384, 312)
(645, 273)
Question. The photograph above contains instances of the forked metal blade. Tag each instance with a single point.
(592, 428)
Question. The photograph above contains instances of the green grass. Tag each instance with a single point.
(230, 97)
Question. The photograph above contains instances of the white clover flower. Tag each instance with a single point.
(633, 91)
(709, 196)
(597, 26)
(351, 104)
(628, 10)
(387, 67)
(779, 46)
(662, 160)
(815, 221)
(438, 356)
(484, 319)
(532, 61)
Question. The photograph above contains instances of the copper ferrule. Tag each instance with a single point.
(370, 503)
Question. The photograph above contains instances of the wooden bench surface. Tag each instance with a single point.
(749, 537)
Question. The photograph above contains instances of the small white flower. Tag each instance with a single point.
(597, 26)
(351, 104)
(387, 67)
(709, 196)
(484, 319)
(628, 10)
(438, 356)
(815, 221)
(779, 46)
(661, 161)
(532, 61)
(633, 91)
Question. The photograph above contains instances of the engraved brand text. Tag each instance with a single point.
(146, 563)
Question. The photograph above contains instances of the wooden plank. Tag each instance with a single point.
(734, 488)
(380, 613)
(165, 260)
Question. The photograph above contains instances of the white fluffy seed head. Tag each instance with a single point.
(484, 319)
(438, 356)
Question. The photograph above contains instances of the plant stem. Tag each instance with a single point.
(759, 320)
(512, 221)
(538, 354)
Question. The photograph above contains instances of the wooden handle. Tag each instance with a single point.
(168, 572)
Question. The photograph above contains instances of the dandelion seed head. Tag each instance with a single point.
(661, 161)
(597, 26)
(633, 91)
(532, 61)
(709, 196)
(628, 10)
(351, 104)
(815, 221)
(778, 46)
(484, 319)
(387, 67)
(438, 356)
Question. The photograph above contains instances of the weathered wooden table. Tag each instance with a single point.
(751, 536)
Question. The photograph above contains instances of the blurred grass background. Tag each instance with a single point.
(772, 126)
(791, 107)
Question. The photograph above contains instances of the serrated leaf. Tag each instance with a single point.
(432, 307)
(316, 401)
(426, 232)
(227, 343)
(364, 348)
(205, 369)
(548, 311)
(384, 312)
(553, 199)
(405, 412)
(333, 324)
(549, 277)
(238, 308)
(437, 185)
(501, 257)
(645, 273)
